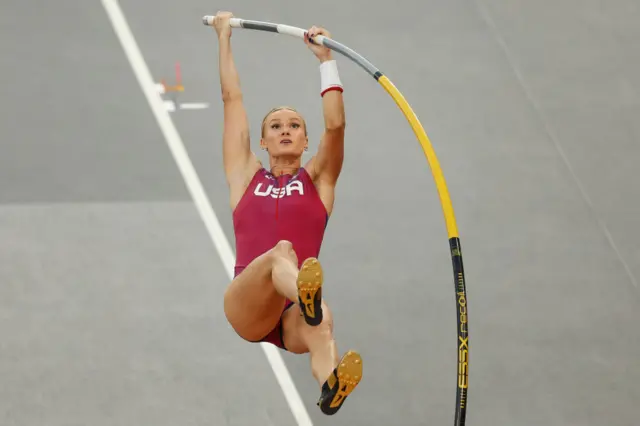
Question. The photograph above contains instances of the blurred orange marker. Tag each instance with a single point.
(178, 86)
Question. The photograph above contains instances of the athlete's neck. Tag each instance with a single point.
(284, 165)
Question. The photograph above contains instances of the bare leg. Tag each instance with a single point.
(254, 300)
(318, 341)
(284, 272)
(323, 350)
(337, 377)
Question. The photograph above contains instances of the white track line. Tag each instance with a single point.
(200, 198)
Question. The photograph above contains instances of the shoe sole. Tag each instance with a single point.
(349, 375)
(310, 278)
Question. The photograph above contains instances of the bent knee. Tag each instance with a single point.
(284, 248)
(284, 245)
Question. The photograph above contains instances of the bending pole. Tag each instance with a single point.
(462, 379)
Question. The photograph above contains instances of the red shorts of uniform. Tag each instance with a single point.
(275, 336)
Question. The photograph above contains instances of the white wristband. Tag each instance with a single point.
(329, 77)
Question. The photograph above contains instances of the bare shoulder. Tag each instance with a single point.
(324, 187)
(310, 167)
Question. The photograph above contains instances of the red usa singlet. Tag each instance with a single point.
(272, 208)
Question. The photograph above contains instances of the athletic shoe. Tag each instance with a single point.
(342, 381)
(310, 291)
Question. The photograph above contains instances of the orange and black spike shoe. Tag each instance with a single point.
(309, 283)
(342, 381)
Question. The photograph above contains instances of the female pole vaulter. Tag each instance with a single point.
(279, 218)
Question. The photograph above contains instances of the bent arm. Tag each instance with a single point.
(330, 156)
(237, 155)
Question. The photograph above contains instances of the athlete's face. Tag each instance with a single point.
(284, 133)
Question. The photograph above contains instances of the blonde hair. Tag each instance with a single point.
(280, 108)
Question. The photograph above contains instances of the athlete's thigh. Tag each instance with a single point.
(251, 304)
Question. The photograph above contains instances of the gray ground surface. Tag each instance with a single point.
(111, 298)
